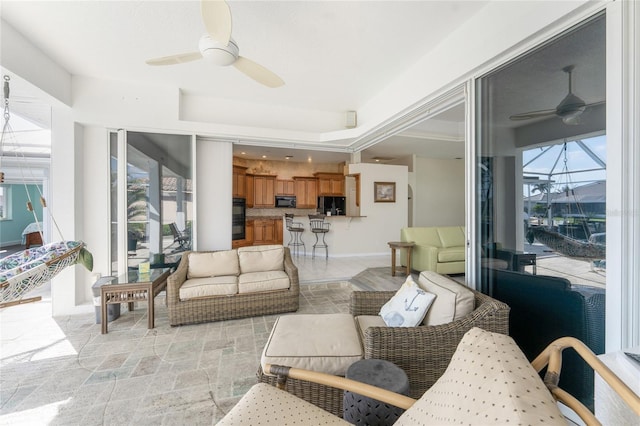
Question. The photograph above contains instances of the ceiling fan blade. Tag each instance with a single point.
(175, 59)
(595, 104)
(216, 16)
(258, 72)
(533, 114)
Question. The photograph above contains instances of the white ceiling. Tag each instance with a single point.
(334, 56)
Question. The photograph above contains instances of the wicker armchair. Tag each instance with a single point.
(424, 352)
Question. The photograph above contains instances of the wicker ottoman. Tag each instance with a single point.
(327, 343)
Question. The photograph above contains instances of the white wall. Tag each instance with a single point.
(382, 221)
(213, 169)
(438, 194)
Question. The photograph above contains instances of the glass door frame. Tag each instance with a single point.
(122, 258)
(623, 98)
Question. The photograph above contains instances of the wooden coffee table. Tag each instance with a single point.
(400, 245)
(133, 287)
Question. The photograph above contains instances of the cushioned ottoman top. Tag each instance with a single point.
(321, 342)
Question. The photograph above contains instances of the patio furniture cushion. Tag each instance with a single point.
(453, 300)
(488, 381)
(327, 343)
(213, 264)
(365, 321)
(262, 281)
(209, 286)
(261, 258)
(408, 306)
(267, 405)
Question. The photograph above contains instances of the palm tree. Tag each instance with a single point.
(541, 187)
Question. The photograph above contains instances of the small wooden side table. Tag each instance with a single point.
(400, 245)
(134, 287)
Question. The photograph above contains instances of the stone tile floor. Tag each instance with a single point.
(62, 371)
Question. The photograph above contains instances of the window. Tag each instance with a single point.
(5, 202)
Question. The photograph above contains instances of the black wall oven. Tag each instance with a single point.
(238, 219)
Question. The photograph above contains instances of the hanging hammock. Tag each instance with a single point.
(26, 270)
(565, 244)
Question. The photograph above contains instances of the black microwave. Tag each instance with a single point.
(285, 201)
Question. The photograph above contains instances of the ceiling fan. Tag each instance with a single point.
(569, 109)
(219, 48)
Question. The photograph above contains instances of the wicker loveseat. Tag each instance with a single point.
(423, 352)
(221, 299)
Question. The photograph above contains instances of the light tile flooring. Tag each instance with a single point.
(63, 371)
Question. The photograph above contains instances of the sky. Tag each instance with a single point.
(566, 173)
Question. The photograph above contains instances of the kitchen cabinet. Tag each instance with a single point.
(330, 184)
(306, 192)
(264, 188)
(264, 232)
(285, 187)
(250, 190)
(279, 229)
(239, 182)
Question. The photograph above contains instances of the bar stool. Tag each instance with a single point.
(319, 226)
(295, 233)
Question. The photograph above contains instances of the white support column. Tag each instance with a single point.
(65, 206)
(214, 194)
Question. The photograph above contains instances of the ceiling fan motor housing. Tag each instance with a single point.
(570, 106)
(216, 52)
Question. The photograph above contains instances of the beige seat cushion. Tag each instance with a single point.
(488, 382)
(261, 258)
(213, 264)
(453, 300)
(365, 321)
(207, 287)
(327, 343)
(263, 281)
(266, 405)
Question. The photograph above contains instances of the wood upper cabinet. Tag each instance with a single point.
(285, 187)
(264, 188)
(306, 192)
(239, 182)
(330, 184)
(250, 191)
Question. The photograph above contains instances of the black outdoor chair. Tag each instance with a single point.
(179, 237)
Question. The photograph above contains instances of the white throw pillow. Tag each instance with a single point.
(408, 306)
(453, 300)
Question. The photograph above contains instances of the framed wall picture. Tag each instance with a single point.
(384, 192)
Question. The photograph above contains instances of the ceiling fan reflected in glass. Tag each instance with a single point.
(569, 109)
(219, 48)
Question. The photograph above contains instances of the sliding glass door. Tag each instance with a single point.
(151, 198)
